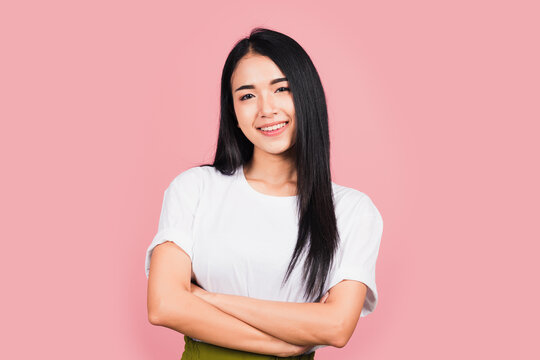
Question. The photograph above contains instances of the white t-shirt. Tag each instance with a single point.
(240, 240)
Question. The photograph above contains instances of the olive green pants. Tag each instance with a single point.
(196, 350)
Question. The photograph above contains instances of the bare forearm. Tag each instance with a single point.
(192, 316)
(295, 323)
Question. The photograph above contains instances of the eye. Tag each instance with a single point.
(283, 87)
(244, 97)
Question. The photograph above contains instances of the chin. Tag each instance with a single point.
(278, 151)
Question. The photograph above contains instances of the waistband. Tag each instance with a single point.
(199, 350)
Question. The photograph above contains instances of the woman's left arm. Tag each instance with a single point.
(325, 323)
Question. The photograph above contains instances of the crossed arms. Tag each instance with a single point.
(243, 323)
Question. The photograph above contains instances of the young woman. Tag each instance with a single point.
(260, 254)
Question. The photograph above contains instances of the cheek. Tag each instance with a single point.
(243, 112)
(289, 107)
(245, 121)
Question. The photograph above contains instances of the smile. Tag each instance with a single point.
(274, 130)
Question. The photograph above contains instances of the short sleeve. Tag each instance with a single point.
(360, 235)
(180, 202)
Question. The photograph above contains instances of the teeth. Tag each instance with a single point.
(270, 128)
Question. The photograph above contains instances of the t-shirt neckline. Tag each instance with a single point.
(260, 194)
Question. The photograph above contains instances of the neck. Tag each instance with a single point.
(274, 169)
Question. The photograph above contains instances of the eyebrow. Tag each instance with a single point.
(253, 87)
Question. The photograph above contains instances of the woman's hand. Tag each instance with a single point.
(325, 296)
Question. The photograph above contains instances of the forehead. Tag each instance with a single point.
(255, 69)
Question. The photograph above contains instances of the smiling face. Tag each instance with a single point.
(262, 99)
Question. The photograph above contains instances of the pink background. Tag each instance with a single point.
(434, 112)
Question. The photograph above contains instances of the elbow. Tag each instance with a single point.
(154, 315)
(153, 318)
(156, 310)
(162, 310)
(340, 342)
(340, 336)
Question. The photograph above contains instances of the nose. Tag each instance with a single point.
(266, 106)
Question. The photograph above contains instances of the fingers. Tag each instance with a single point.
(325, 296)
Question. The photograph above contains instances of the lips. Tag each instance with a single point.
(273, 123)
(276, 132)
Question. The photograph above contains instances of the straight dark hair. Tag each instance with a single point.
(317, 231)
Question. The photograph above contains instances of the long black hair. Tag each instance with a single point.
(317, 231)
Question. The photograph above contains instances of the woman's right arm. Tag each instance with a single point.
(171, 304)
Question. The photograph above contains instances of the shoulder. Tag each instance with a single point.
(186, 189)
(352, 202)
(199, 181)
(193, 177)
